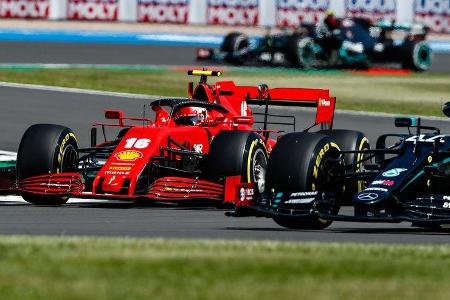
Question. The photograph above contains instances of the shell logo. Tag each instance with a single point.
(128, 155)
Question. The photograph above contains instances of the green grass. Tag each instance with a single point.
(421, 94)
(100, 268)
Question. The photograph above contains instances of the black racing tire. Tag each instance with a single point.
(300, 162)
(351, 140)
(417, 55)
(235, 152)
(232, 43)
(46, 148)
(300, 51)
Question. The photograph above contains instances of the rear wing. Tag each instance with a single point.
(298, 97)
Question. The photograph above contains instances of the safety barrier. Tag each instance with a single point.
(434, 13)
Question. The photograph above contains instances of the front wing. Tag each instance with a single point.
(427, 209)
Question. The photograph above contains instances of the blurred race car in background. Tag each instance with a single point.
(335, 43)
(197, 149)
(405, 178)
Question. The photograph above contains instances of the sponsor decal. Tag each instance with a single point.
(300, 201)
(122, 163)
(111, 180)
(198, 148)
(246, 194)
(376, 189)
(373, 10)
(433, 13)
(233, 12)
(304, 194)
(117, 168)
(324, 102)
(163, 11)
(128, 155)
(421, 138)
(27, 9)
(393, 172)
(384, 182)
(244, 108)
(367, 196)
(98, 10)
(292, 13)
(116, 173)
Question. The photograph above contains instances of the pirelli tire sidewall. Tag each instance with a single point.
(295, 161)
(42, 150)
(297, 164)
(233, 153)
(351, 140)
(327, 147)
(254, 146)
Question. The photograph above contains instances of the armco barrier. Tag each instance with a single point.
(434, 13)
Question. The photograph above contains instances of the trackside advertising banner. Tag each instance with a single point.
(292, 13)
(374, 10)
(233, 12)
(433, 13)
(93, 10)
(163, 11)
(27, 9)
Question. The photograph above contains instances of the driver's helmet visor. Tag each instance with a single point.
(187, 120)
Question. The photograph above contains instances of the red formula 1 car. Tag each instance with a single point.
(199, 148)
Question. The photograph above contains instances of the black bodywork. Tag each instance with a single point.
(356, 43)
(406, 180)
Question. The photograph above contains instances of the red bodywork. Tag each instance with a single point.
(162, 136)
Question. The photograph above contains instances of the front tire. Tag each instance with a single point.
(46, 148)
(351, 140)
(302, 162)
(238, 153)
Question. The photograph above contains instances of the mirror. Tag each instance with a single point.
(446, 109)
(405, 121)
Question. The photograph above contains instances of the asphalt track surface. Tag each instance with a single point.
(23, 107)
(77, 53)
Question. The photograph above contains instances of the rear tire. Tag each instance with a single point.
(417, 56)
(46, 148)
(351, 140)
(234, 42)
(301, 51)
(238, 153)
(302, 162)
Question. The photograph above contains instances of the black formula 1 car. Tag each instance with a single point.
(355, 43)
(405, 178)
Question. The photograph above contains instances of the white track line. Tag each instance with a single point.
(152, 97)
(74, 90)
(7, 156)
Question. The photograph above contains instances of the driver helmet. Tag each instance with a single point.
(330, 20)
(190, 116)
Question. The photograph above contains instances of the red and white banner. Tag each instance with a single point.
(163, 11)
(433, 13)
(374, 10)
(292, 13)
(27, 9)
(233, 12)
(93, 10)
